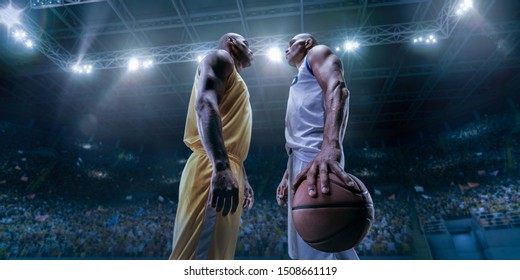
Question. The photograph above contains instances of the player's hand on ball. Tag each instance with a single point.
(281, 191)
(224, 191)
(249, 196)
(318, 169)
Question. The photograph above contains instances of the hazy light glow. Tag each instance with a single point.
(464, 7)
(133, 64)
(38, 4)
(82, 69)
(147, 63)
(426, 40)
(200, 58)
(274, 54)
(29, 44)
(351, 46)
(10, 16)
(19, 35)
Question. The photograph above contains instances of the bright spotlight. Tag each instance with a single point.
(427, 40)
(200, 58)
(29, 44)
(351, 46)
(337, 49)
(464, 7)
(40, 4)
(82, 69)
(147, 63)
(133, 64)
(19, 35)
(274, 54)
(10, 16)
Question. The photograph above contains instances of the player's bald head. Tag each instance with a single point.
(306, 36)
(226, 38)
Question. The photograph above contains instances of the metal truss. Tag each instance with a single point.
(358, 74)
(448, 58)
(46, 44)
(45, 4)
(367, 36)
(210, 18)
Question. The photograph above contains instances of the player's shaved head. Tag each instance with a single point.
(306, 36)
(224, 40)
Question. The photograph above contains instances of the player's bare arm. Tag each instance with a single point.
(281, 191)
(249, 194)
(328, 70)
(214, 72)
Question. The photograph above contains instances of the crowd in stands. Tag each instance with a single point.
(106, 202)
(391, 232)
(498, 202)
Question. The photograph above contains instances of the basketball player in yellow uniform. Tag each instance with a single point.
(218, 131)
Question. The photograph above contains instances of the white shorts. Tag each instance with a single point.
(299, 249)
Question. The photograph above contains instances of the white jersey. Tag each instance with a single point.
(305, 116)
(304, 127)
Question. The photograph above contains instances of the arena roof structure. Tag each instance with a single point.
(65, 64)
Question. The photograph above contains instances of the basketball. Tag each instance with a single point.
(336, 221)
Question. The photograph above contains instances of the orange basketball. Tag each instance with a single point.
(337, 221)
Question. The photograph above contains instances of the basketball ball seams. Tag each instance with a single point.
(336, 221)
(340, 231)
(339, 206)
(341, 185)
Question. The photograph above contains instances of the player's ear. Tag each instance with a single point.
(232, 44)
(231, 40)
(308, 43)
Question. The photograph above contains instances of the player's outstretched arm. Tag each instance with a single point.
(328, 70)
(215, 70)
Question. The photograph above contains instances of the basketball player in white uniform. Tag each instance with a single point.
(315, 122)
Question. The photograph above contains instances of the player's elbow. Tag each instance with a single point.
(340, 89)
(204, 105)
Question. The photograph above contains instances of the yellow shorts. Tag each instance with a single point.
(200, 232)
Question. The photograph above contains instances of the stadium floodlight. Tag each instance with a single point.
(351, 46)
(44, 4)
(39, 4)
(10, 16)
(82, 69)
(29, 44)
(426, 40)
(133, 64)
(464, 7)
(147, 63)
(274, 54)
(19, 35)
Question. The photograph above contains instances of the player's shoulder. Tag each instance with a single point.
(320, 53)
(320, 50)
(218, 57)
(218, 61)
